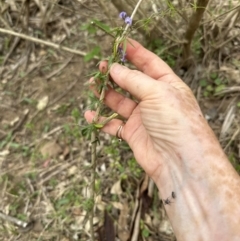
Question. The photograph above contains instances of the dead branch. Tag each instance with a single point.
(191, 29)
(47, 43)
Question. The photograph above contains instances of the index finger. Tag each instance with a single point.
(146, 61)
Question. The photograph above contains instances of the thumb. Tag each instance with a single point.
(133, 81)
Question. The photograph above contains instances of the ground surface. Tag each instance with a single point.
(45, 162)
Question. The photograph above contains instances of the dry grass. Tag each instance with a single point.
(45, 163)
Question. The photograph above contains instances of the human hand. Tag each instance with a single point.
(158, 124)
(175, 146)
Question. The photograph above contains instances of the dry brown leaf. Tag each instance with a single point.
(232, 74)
(123, 232)
(116, 188)
(99, 203)
(95, 221)
(42, 103)
(4, 153)
(72, 170)
(144, 185)
(51, 149)
(228, 121)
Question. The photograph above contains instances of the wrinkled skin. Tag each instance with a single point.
(176, 147)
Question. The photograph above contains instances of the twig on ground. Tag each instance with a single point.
(31, 68)
(24, 226)
(228, 90)
(59, 69)
(46, 135)
(53, 171)
(232, 139)
(47, 43)
(19, 124)
(13, 46)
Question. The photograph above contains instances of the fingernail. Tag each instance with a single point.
(116, 68)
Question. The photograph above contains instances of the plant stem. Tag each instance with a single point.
(92, 194)
(94, 134)
(191, 29)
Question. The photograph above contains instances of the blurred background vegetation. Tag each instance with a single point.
(48, 48)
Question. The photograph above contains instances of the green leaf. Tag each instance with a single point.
(217, 81)
(99, 125)
(145, 233)
(91, 54)
(238, 104)
(209, 88)
(213, 75)
(205, 93)
(86, 131)
(89, 28)
(219, 88)
(102, 25)
(62, 201)
(75, 114)
(203, 83)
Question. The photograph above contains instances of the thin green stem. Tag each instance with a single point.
(94, 134)
(92, 189)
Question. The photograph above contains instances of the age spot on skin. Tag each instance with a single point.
(167, 201)
(173, 195)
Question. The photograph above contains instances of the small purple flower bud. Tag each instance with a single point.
(122, 54)
(128, 21)
(123, 58)
(122, 15)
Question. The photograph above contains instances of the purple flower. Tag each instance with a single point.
(123, 57)
(122, 15)
(128, 21)
(122, 54)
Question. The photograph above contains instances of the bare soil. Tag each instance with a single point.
(45, 162)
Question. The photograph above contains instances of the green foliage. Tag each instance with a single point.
(22, 217)
(159, 48)
(6, 140)
(145, 233)
(203, 83)
(234, 160)
(76, 114)
(87, 130)
(213, 75)
(88, 204)
(144, 230)
(29, 101)
(71, 131)
(46, 127)
(102, 25)
(97, 185)
(91, 27)
(94, 52)
(17, 146)
(212, 86)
